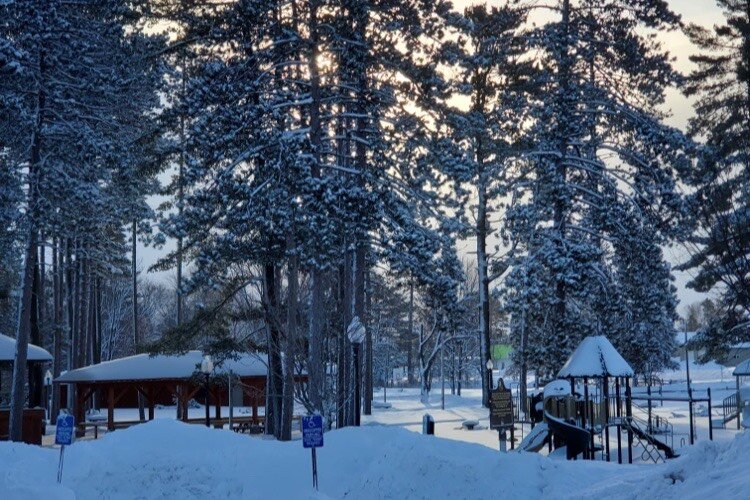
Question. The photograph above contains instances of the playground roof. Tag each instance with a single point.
(742, 369)
(8, 350)
(162, 367)
(595, 356)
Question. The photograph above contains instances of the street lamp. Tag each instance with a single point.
(489, 366)
(356, 333)
(207, 366)
(47, 399)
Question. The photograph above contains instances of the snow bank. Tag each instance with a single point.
(168, 459)
(706, 470)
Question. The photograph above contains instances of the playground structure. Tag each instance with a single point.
(591, 397)
(737, 405)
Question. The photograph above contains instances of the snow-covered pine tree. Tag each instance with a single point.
(601, 150)
(492, 74)
(83, 92)
(720, 246)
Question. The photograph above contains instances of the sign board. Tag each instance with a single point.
(65, 429)
(312, 431)
(501, 407)
(64, 434)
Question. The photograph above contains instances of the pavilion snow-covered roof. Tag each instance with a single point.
(595, 356)
(163, 367)
(742, 369)
(8, 350)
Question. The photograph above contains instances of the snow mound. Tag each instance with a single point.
(168, 459)
(705, 470)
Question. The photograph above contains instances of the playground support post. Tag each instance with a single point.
(650, 409)
(710, 426)
(690, 414)
(585, 418)
(606, 415)
(618, 412)
(629, 414)
(739, 401)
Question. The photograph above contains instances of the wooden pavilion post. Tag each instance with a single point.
(110, 407)
(217, 400)
(151, 396)
(79, 411)
(184, 401)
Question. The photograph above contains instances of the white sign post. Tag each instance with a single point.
(63, 436)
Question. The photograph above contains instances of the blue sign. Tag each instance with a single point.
(312, 431)
(65, 429)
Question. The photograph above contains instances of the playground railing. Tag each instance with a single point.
(730, 407)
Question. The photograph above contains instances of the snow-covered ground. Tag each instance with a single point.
(168, 459)
(386, 458)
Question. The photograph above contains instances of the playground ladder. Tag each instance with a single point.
(637, 428)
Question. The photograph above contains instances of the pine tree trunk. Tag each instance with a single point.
(410, 349)
(83, 310)
(137, 340)
(342, 388)
(18, 391)
(484, 291)
(70, 279)
(35, 371)
(59, 327)
(287, 410)
(316, 365)
(558, 218)
(275, 369)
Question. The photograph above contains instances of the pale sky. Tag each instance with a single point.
(704, 12)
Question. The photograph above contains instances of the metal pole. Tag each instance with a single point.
(710, 426)
(208, 410)
(629, 414)
(385, 378)
(650, 425)
(690, 405)
(584, 416)
(618, 412)
(606, 414)
(231, 400)
(739, 402)
(687, 365)
(357, 402)
(442, 380)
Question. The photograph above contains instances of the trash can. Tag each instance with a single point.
(428, 425)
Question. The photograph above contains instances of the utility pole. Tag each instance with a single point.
(442, 378)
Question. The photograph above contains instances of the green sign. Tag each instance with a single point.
(501, 351)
